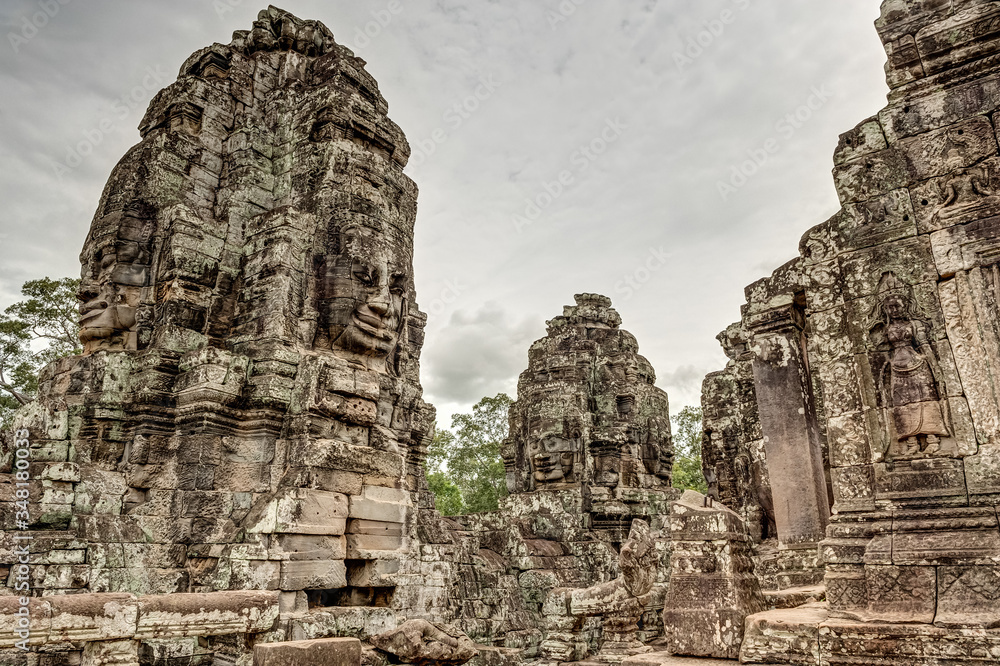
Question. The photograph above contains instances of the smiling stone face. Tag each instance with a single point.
(553, 459)
(364, 290)
(116, 265)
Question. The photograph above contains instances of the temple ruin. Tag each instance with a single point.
(232, 473)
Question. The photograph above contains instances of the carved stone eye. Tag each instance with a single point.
(397, 284)
(364, 275)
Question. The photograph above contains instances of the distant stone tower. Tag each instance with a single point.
(588, 415)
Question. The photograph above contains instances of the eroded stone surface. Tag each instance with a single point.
(881, 341)
(712, 585)
(422, 643)
(574, 565)
(588, 413)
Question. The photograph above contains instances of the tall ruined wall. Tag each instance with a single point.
(874, 354)
(247, 411)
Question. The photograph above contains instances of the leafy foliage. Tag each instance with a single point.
(468, 460)
(33, 333)
(447, 496)
(687, 450)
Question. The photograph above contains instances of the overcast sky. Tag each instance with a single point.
(499, 99)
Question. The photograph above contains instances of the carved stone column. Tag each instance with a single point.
(788, 422)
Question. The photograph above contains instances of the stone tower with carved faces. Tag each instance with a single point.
(247, 412)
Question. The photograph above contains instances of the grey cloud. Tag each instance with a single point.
(478, 354)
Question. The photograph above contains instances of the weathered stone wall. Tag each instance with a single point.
(874, 357)
(247, 411)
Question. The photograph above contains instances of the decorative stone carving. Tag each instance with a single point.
(908, 378)
(712, 586)
(899, 347)
(363, 301)
(249, 384)
(618, 601)
(422, 643)
(117, 261)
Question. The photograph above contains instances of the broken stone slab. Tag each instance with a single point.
(208, 614)
(318, 652)
(358, 622)
(667, 659)
(422, 643)
(786, 636)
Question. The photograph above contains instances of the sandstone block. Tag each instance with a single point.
(313, 574)
(319, 652)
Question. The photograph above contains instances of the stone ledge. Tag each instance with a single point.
(665, 659)
(318, 652)
(107, 617)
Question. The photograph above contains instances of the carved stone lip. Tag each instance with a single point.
(372, 326)
(94, 332)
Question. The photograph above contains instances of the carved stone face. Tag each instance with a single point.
(364, 286)
(114, 276)
(895, 307)
(552, 458)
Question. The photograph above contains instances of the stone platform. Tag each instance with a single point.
(808, 635)
(665, 659)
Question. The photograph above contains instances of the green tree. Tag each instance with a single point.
(33, 333)
(687, 450)
(468, 459)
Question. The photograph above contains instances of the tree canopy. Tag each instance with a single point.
(687, 450)
(465, 469)
(33, 333)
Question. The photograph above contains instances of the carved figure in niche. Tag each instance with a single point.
(967, 192)
(116, 267)
(908, 384)
(364, 282)
(965, 188)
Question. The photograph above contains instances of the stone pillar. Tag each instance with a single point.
(712, 585)
(789, 425)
